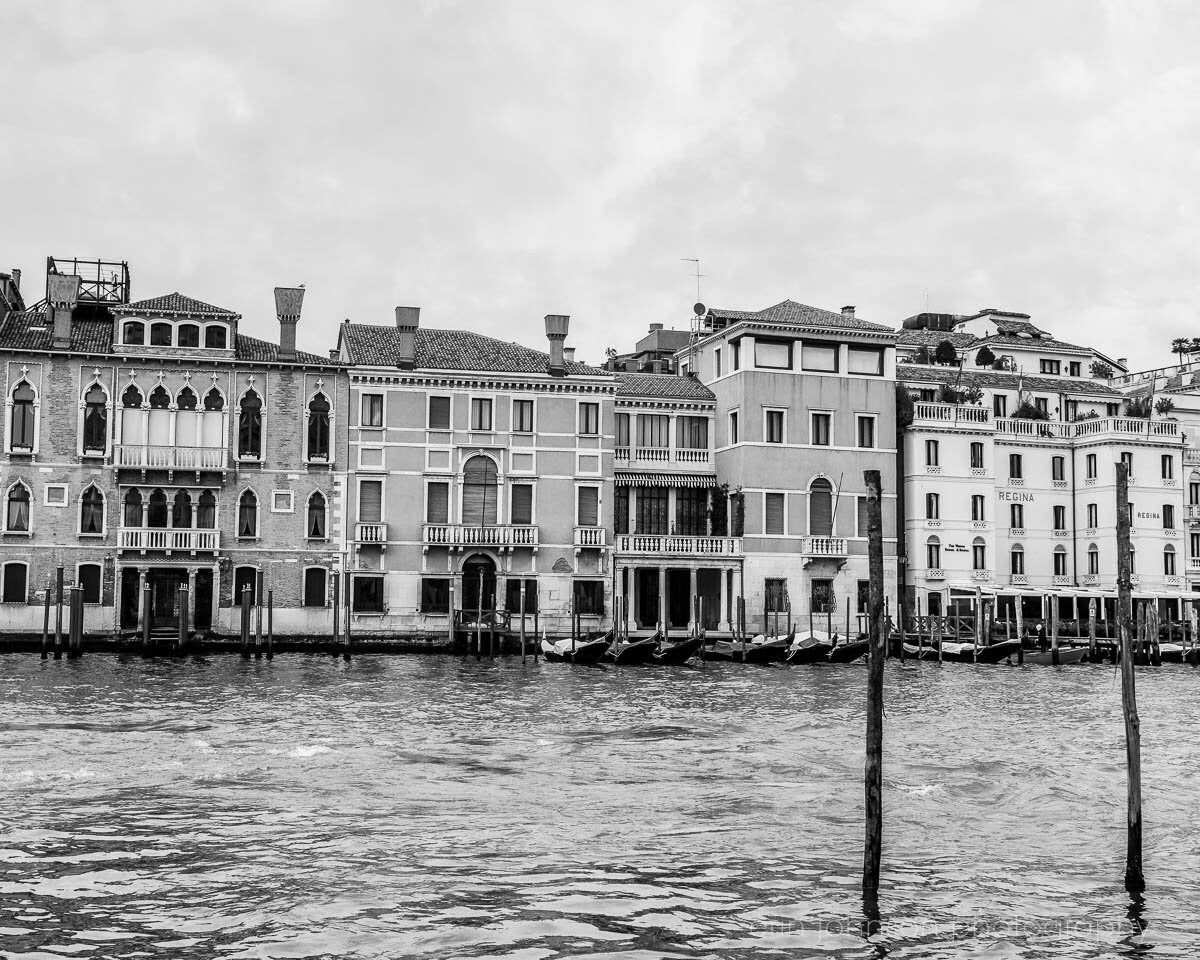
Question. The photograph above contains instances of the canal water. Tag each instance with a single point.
(429, 806)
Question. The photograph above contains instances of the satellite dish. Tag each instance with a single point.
(699, 309)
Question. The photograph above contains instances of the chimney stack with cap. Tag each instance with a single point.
(62, 293)
(288, 301)
(848, 312)
(16, 278)
(407, 321)
(556, 333)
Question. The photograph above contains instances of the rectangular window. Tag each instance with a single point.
(1168, 516)
(589, 419)
(1093, 516)
(55, 494)
(773, 354)
(283, 501)
(621, 422)
(370, 501)
(775, 594)
(773, 426)
(1051, 366)
(733, 428)
(522, 417)
(1074, 368)
(977, 507)
(926, 395)
(861, 525)
(864, 595)
(1072, 409)
(931, 453)
(736, 346)
(512, 596)
(372, 410)
(1112, 409)
(691, 512)
(819, 357)
(89, 580)
(1093, 561)
(654, 431)
(1042, 404)
(314, 587)
(522, 504)
(1091, 466)
(691, 433)
(652, 516)
(866, 432)
(773, 513)
(588, 504)
(1060, 518)
(976, 456)
(978, 557)
(437, 502)
(1014, 466)
(1058, 466)
(999, 405)
(589, 597)
(1016, 516)
(865, 361)
(1127, 459)
(481, 413)
(822, 429)
(435, 595)
(933, 555)
(1194, 492)
(822, 596)
(932, 506)
(717, 362)
(1195, 544)
(368, 594)
(1060, 563)
(1168, 467)
(621, 509)
(439, 413)
(1017, 562)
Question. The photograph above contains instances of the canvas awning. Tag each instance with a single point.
(665, 479)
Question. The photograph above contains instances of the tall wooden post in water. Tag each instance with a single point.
(874, 764)
(1135, 881)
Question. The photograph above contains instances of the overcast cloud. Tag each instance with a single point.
(492, 162)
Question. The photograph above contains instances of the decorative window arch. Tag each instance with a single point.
(820, 509)
(23, 420)
(979, 554)
(315, 525)
(1016, 560)
(181, 511)
(186, 399)
(188, 335)
(1169, 561)
(216, 336)
(480, 491)
(17, 501)
(1060, 561)
(206, 511)
(1093, 558)
(161, 334)
(91, 511)
(133, 333)
(214, 399)
(156, 509)
(95, 419)
(132, 397)
(15, 586)
(250, 426)
(133, 508)
(318, 427)
(933, 553)
(159, 398)
(247, 516)
(316, 587)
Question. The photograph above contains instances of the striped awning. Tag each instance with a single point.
(664, 479)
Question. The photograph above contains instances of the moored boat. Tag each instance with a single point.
(812, 648)
(681, 652)
(769, 650)
(846, 652)
(582, 652)
(631, 652)
(923, 652)
(1065, 655)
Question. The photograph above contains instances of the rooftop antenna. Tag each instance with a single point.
(696, 261)
(698, 312)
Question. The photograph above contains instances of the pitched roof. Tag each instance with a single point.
(451, 350)
(175, 303)
(1018, 327)
(262, 351)
(789, 311)
(1003, 380)
(666, 385)
(27, 330)
(1045, 342)
(931, 338)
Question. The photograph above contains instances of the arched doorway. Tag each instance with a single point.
(478, 571)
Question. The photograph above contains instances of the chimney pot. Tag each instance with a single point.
(407, 321)
(655, 326)
(556, 333)
(16, 278)
(848, 311)
(568, 354)
(288, 303)
(62, 293)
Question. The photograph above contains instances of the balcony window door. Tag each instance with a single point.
(95, 420)
(133, 421)
(91, 511)
(159, 427)
(692, 433)
(588, 506)
(250, 427)
(654, 434)
(480, 491)
(181, 511)
(820, 508)
(522, 504)
(156, 510)
(652, 515)
(187, 419)
(370, 501)
(621, 510)
(206, 511)
(691, 511)
(318, 427)
(212, 430)
(24, 418)
(133, 509)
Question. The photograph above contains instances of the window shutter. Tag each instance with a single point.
(773, 519)
(370, 501)
(439, 413)
(589, 506)
(439, 503)
(522, 503)
(479, 492)
(862, 516)
(821, 509)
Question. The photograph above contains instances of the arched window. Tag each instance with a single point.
(133, 333)
(131, 398)
(156, 509)
(133, 508)
(247, 524)
(23, 420)
(206, 511)
(979, 554)
(133, 421)
(181, 511)
(1169, 561)
(16, 513)
(250, 427)
(1093, 559)
(315, 519)
(95, 420)
(1060, 561)
(91, 512)
(318, 428)
(1132, 560)
(215, 337)
(186, 399)
(213, 400)
(189, 335)
(1016, 560)
(314, 587)
(933, 553)
(479, 491)
(187, 421)
(820, 509)
(160, 334)
(159, 398)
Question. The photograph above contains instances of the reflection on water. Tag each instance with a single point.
(437, 807)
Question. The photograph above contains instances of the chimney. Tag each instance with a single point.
(407, 321)
(556, 333)
(1123, 362)
(288, 301)
(335, 354)
(16, 278)
(655, 326)
(848, 312)
(62, 293)
(569, 354)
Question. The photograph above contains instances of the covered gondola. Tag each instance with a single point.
(581, 652)
(681, 652)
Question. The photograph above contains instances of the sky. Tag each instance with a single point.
(493, 162)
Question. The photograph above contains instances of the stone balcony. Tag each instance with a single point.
(825, 547)
(672, 545)
(370, 532)
(593, 537)
(473, 535)
(658, 457)
(142, 456)
(168, 540)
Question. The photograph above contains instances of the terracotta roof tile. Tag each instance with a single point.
(26, 330)
(175, 303)
(262, 351)
(1003, 380)
(666, 385)
(789, 311)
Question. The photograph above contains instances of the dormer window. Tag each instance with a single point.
(215, 337)
(189, 335)
(133, 333)
(160, 334)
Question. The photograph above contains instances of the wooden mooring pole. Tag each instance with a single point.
(522, 619)
(58, 616)
(874, 752)
(46, 626)
(75, 638)
(1054, 630)
(337, 609)
(1135, 880)
(346, 649)
(258, 614)
(245, 623)
(271, 624)
(181, 640)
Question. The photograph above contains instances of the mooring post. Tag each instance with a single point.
(522, 619)
(938, 635)
(46, 625)
(271, 624)
(450, 616)
(337, 609)
(258, 614)
(900, 626)
(181, 640)
(1135, 881)
(1019, 608)
(978, 631)
(346, 648)
(75, 637)
(1053, 604)
(1091, 629)
(571, 616)
(58, 616)
(537, 643)
(479, 619)
(874, 746)
(145, 615)
(245, 621)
